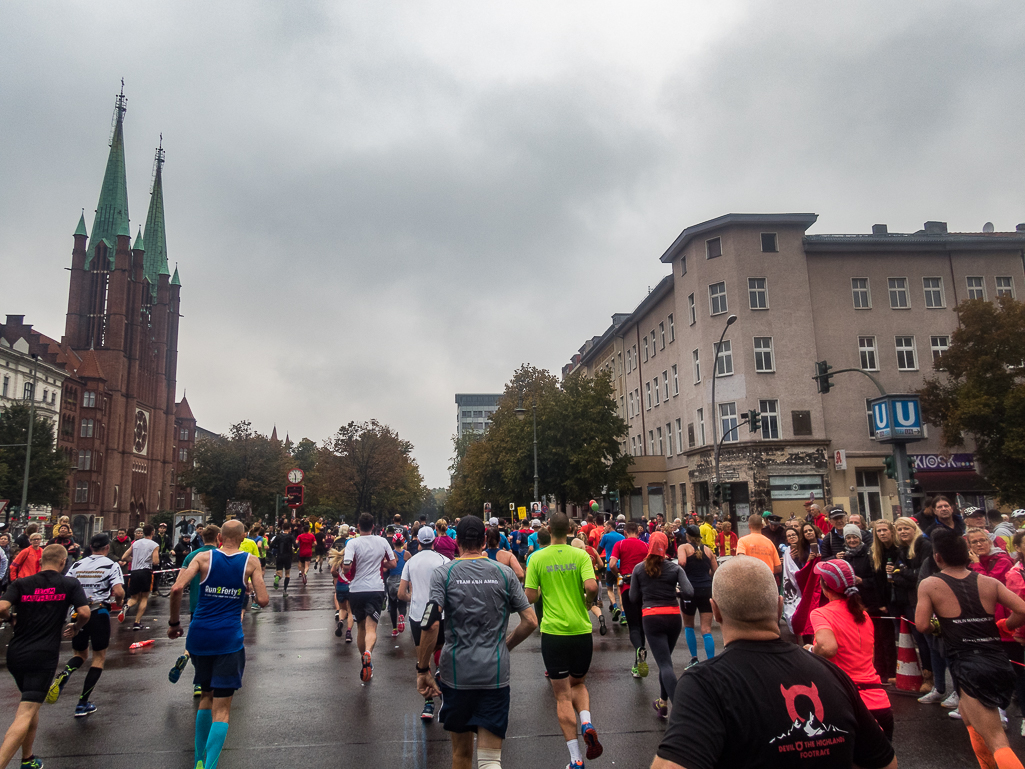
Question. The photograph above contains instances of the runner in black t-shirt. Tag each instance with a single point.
(42, 601)
(765, 702)
(285, 544)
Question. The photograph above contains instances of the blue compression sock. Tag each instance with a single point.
(203, 720)
(692, 641)
(218, 733)
(709, 645)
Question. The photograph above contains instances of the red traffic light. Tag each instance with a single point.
(294, 495)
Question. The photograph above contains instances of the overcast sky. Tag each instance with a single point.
(374, 206)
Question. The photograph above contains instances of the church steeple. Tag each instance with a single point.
(155, 261)
(112, 209)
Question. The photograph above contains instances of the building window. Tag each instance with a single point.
(647, 389)
(867, 350)
(661, 446)
(629, 361)
(802, 422)
(183, 454)
(692, 309)
(651, 442)
(728, 422)
(633, 445)
(770, 244)
(770, 418)
(1005, 287)
(683, 265)
(653, 343)
(717, 299)
(87, 428)
(654, 383)
(898, 293)
(85, 460)
(676, 381)
(665, 385)
(713, 248)
(89, 399)
(696, 357)
(669, 439)
(724, 359)
(183, 434)
(862, 297)
(27, 394)
(976, 288)
(7, 383)
(871, 419)
(763, 354)
(679, 435)
(672, 329)
(758, 296)
(630, 404)
(690, 435)
(662, 335)
(645, 349)
(933, 292)
(906, 358)
(939, 345)
(701, 426)
(82, 491)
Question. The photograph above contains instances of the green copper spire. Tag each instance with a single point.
(155, 262)
(175, 281)
(112, 209)
(80, 229)
(140, 244)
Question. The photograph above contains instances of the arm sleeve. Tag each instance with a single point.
(819, 621)
(637, 584)
(686, 588)
(682, 744)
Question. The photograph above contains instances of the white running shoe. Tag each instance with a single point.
(951, 702)
(932, 698)
(955, 714)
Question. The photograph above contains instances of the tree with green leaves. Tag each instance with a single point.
(49, 467)
(978, 392)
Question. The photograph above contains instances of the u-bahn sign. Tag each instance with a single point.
(897, 419)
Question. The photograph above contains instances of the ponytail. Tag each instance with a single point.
(653, 566)
(698, 545)
(855, 607)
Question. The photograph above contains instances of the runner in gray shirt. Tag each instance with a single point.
(476, 596)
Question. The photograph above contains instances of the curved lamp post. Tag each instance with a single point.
(715, 415)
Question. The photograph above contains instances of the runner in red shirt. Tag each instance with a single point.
(306, 541)
(626, 554)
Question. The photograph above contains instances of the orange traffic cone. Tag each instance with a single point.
(909, 673)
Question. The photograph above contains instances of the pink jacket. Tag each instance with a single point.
(998, 565)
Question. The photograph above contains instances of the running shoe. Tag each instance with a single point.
(277, 579)
(31, 763)
(601, 625)
(338, 629)
(661, 707)
(58, 685)
(121, 614)
(951, 702)
(394, 633)
(956, 714)
(179, 665)
(641, 657)
(590, 735)
(615, 613)
(693, 661)
(427, 714)
(635, 672)
(1003, 717)
(348, 635)
(932, 697)
(367, 672)
(622, 620)
(197, 691)
(575, 765)
(303, 575)
(137, 626)
(402, 623)
(84, 709)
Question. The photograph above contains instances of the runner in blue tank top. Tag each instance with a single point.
(215, 640)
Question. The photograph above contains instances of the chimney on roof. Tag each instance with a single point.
(879, 229)
(935, 228)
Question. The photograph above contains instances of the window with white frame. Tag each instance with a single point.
(976, 288)
(724, 358)
(669, 439)
(691, 439)
(27, 393)
(87, 428)
(763, 355)
(89, 399)
(717, 299)
(867, 351)
(701, 426)
(1005, 287)
(676, 381)
(862, 297)
(713, 248)
(770, 418)
(672, 329)
(82, 491)
(630, 404)
(629, 366)
(939, 345)
(183, 434)
(637, 399)
(696, 357)
(906, 358)
(662, 335)
(898, 293)
(647, 390)
(645, 349)
(758, 295)
(683, 265)
(871, 418)
(651, 442)
(661, 445)
(652, 343)
(679, 434)
(933, 292)
(692, 309)
(633, 445)
(85, 460)
(728, 422)
(665, 385)
(654, 384)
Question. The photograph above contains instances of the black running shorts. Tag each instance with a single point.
(566, 655)
(33, 680)
(989, 678)
(416, 629)
(363, 605)
(95, 632)
(283, 564)
(699, 602)
(466, 710)
(140, 582)
(219, 671)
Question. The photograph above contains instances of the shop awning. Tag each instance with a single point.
(952, 482)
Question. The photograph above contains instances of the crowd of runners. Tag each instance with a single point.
(809, 611)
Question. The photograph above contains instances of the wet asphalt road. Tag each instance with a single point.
(303, 704)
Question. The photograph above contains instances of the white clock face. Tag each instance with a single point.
(295, 476)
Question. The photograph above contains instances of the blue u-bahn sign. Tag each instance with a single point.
(897, 419)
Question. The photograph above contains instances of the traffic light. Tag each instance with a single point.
(823, 379)
(294, 495)
(891, 466)
(754, 420)
(716, 492)
(911, 469)
(727, 492)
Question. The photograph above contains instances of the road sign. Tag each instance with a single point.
(535, 509)
(840, 459)
(487, 507)
(296, 475)
(3, 504)
(521, 513)
(512, 507)
(897, 419)
(294, 495)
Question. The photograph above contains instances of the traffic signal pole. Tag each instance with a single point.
(901, 467)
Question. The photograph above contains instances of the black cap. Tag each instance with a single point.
(99, 541)
(693, 531)
(835, 511)
(774, 518)
(470, 527)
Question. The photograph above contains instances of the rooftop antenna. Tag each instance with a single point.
(987, 227)
(158, 163)
(120, 107)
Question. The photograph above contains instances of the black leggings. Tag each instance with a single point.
(662, 632)
(884, 717)
(632, 611)
(395, 606)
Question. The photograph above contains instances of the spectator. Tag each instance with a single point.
(119, 546)
(833, 542)
(26, 563)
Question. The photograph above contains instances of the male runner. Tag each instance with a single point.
(100, 578)
(367, 553)
(215, 640)
(306, 542)
(626, 554)
(563, 575)
(415, 587)
(964, 602)
(605, 545)
(285, 544)
(43, 600)
(476, 596)
(144, 554)
(209, 533)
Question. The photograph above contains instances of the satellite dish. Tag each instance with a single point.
(987, 227)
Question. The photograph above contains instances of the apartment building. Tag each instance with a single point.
(474, 411)
(882, 303)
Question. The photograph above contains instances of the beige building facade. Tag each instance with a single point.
(882, 303)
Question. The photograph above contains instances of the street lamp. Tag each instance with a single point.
(715, 415)
(521, 414)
